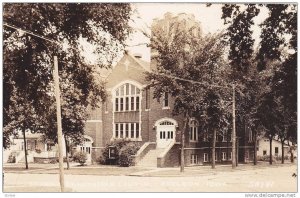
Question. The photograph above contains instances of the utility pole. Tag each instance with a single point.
(182, 151)
(233, 138)
(25, 147)
(59, 127)
(182, 144)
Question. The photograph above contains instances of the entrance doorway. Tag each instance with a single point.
(165, 133)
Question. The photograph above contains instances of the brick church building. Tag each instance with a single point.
(131, 112)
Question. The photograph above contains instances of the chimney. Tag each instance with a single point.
(138, 55)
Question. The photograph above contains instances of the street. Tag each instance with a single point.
(261, 179)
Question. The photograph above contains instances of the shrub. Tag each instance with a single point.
(126, 152)
(266, 158)
(80, 157)
(101, 159)
(286, 157)
(119, 147)
(38, 150)
(70, 159)
(11, 159)
(53, 161)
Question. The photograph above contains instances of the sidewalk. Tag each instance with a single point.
(207, 170)
(75, 169)
(32, 167)
(107, 170)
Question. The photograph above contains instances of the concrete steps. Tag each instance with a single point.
(150, 159)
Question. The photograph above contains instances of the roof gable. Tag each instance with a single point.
(128, 68)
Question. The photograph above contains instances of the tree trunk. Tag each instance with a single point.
(271, 161)
(25, 148)
(182, 145)
(255, 149)
(292, 154)
(282, 152)
(233, 138)
(67, 152)
(213, 153)
(237, 152)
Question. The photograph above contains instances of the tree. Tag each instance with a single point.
(28, 61)
(272, 39)
(238, 36)
(280, 22)
(188, 66)
(214, 116)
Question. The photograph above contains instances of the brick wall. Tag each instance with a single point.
(128, 69)
(172, 158)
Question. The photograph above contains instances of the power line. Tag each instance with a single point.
(156, 73)
(31, 33)
(184, 79)
(190, 81)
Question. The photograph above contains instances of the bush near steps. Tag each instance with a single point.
(124, 149)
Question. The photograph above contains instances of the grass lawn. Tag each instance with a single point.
(79, 170)
(14, 169)
(207, 170)
(107, 171)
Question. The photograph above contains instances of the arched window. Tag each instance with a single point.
(86, 145)
(166, 123)
(193, 130)
(127, 98)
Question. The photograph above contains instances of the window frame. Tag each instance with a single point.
(127, 97)
(224, 156)
(194, 130)
(230, 156)
(276, 148)
(126, 130)
(205, 157)
(147, 95)
(194, 159)
(166, 102)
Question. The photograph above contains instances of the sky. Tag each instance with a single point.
(209, 17)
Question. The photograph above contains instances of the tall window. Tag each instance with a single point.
(205, 136)
(132, 129)
(193, 130)
(205, 157)
(223, 156)
(121, 130)
(127, 98)
(126, 103)
(166, 99)
(117, 130)
(121, 104)
(137, 128)
(247, 155)
(194, 159)
(127, 130)
(221, 137)
(224, 136)
(250, 135)
(147, 98)
(117, 104)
